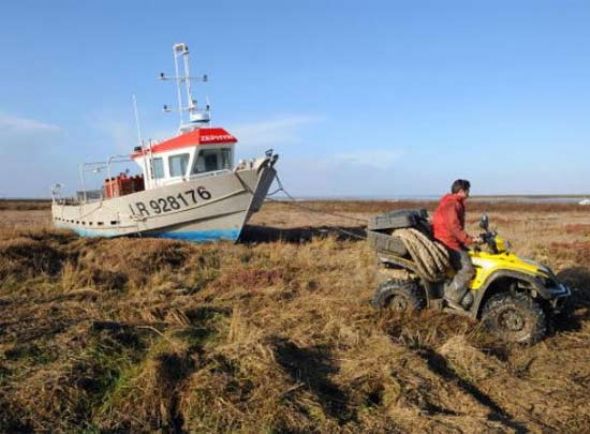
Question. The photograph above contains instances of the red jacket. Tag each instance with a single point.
(448, 222)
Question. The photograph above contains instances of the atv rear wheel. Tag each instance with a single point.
(515, 318)
(399, 296)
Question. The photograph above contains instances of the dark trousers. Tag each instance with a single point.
(462, 264)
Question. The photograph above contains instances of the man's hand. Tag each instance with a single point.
(478, 240)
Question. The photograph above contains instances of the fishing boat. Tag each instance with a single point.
(187, 187)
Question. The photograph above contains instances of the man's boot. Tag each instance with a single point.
(459, 298)
(467, 300)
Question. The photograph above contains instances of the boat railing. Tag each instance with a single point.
(86, 196)
(82, 197)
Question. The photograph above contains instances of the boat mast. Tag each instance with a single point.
(137, 125)
(196, 117)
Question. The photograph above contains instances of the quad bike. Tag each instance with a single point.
(515, 298)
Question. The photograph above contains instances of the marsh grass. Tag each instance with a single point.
(139, 335)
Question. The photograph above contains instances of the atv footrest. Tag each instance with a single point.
(437, 304)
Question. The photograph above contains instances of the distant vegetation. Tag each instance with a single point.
(24, 204)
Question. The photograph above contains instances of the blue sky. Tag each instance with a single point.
(374, 98)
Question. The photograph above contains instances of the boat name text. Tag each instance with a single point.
(170, 203)
(217, 138)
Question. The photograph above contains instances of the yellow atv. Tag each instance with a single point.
(514, 297)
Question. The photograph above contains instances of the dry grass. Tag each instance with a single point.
(138, 335)
(24, 204)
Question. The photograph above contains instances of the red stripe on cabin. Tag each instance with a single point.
(202, 136)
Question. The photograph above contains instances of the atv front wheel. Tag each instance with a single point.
(399, 296)
(515, 318)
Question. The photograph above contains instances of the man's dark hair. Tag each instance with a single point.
(460, 184)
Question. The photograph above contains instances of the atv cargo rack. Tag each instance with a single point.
(381, 230)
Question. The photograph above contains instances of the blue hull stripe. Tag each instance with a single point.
(194, 236)
(202, 236)
(90, 233)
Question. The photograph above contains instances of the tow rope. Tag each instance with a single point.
(292, 201)
(431, 258)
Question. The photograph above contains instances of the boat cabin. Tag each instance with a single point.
(201, 152)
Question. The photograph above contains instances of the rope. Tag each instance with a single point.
(294, 203)
(431, 258)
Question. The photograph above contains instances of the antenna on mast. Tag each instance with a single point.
(196, 116)
(136, 113)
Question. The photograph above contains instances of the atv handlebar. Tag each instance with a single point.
(495, 243)
(489, 238)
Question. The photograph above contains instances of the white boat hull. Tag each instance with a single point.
(204, 208)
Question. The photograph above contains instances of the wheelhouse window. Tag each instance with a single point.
(209, 160)
(178, 164)
(226, 158)
(157, 168)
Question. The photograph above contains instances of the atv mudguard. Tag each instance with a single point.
(535, 283)
(393, 261)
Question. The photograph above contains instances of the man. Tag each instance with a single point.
(449, 229)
